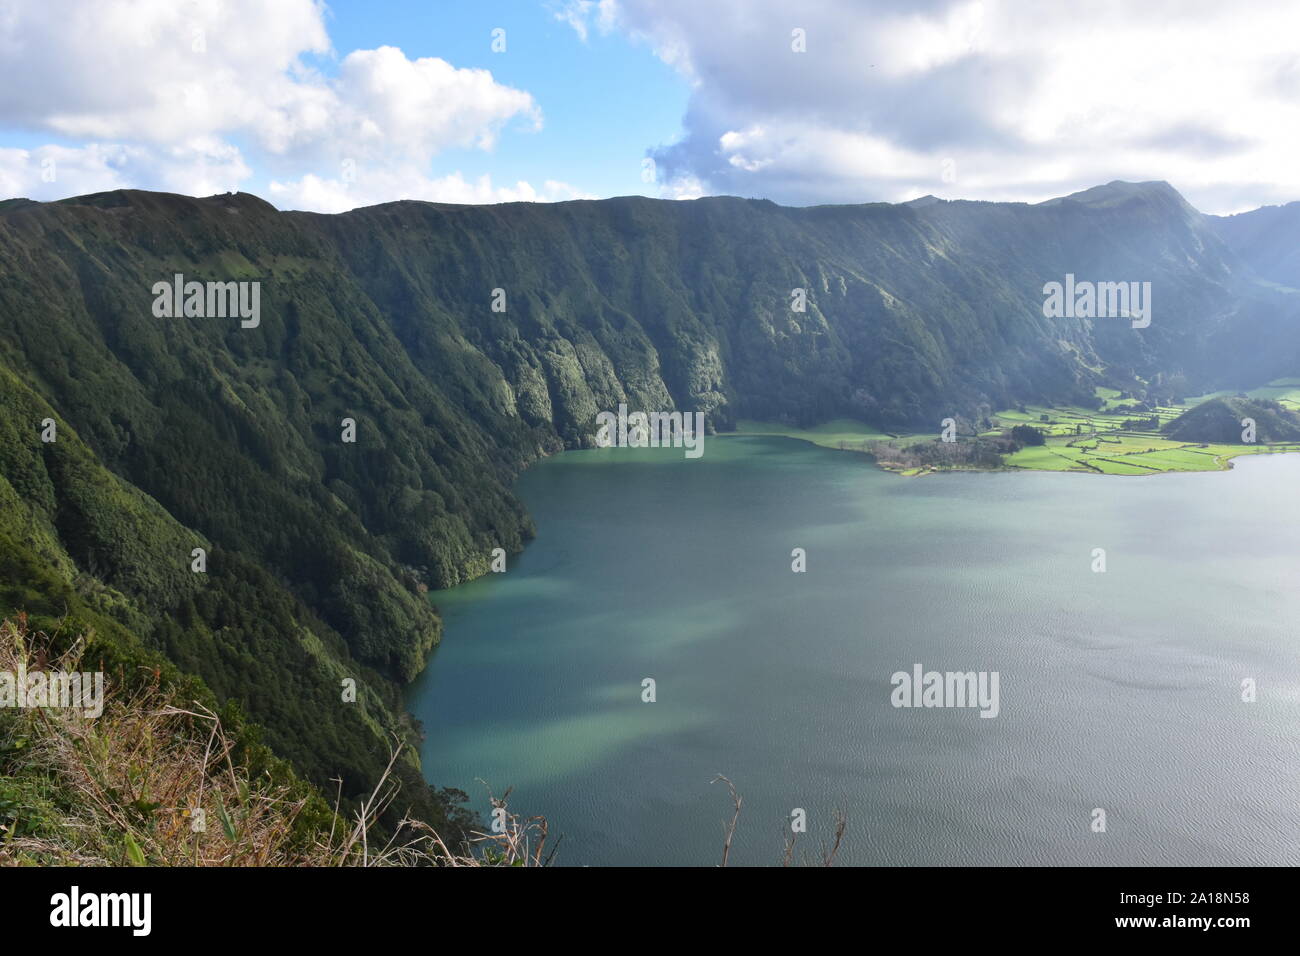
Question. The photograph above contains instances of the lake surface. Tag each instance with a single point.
(1118, 690)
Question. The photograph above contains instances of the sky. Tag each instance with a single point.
(330, 106)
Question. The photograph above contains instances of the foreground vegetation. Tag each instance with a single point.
(158, 780)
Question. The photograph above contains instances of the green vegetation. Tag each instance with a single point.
(184, 433)
(1128, 436)
(1131, 437)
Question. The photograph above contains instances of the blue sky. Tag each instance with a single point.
(605, 102)
(329, 106)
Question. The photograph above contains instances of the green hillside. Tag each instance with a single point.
(1221, 420)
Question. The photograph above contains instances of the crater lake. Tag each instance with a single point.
(1119, 690)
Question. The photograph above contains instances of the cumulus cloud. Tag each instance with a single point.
(191, 97)
(421, 106)
(985, 99)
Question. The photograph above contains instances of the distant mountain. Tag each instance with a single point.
(1267, 239)
(1117, 194)
(1220, 421)
(185, 432)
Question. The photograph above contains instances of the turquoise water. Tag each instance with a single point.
(1118, 690)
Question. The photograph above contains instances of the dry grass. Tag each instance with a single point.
(152, 783)
(828, 851)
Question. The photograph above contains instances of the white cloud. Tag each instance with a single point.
(1024, 101)
(682, 187)
(418, 107)
(193, 96)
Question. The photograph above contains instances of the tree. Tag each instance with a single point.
(1027, 435)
